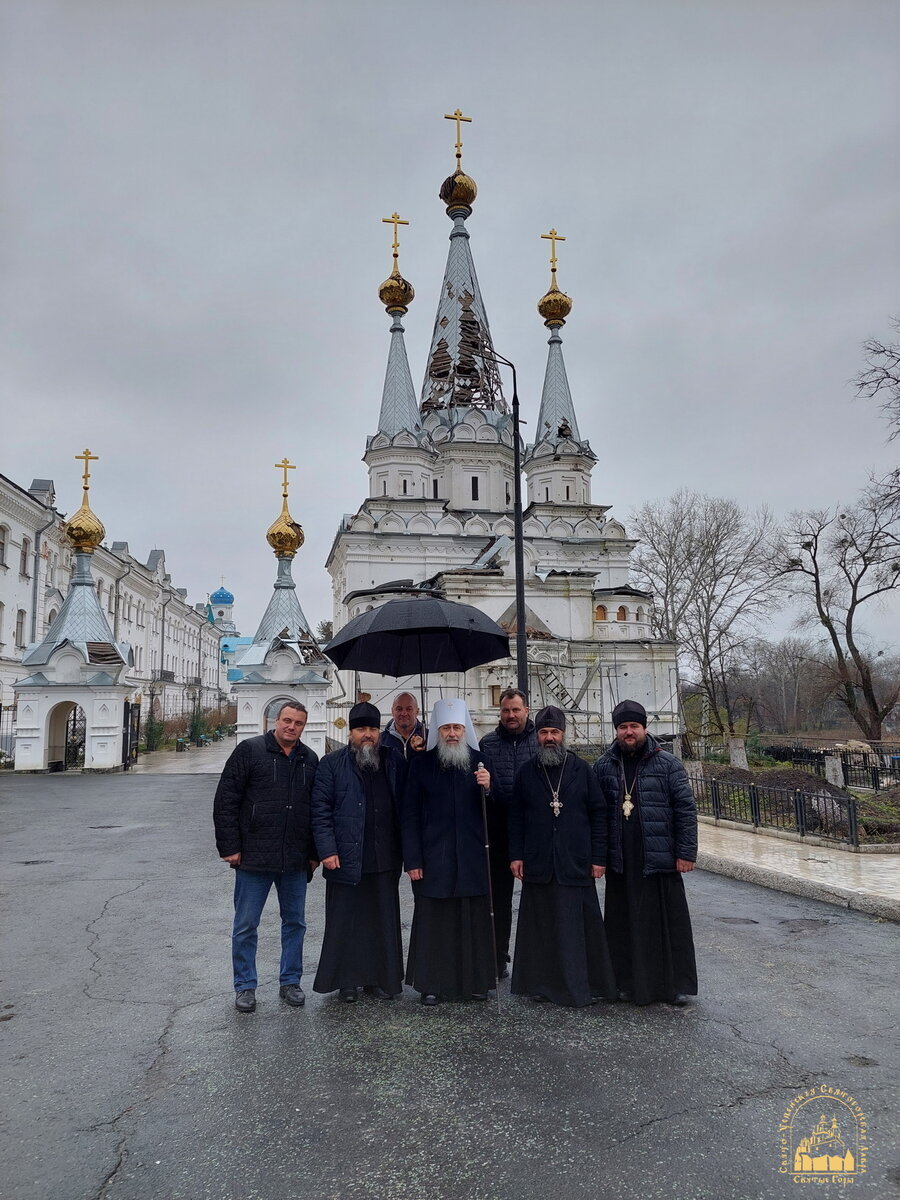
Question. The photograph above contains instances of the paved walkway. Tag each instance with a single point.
(208, 761)
(868, 882)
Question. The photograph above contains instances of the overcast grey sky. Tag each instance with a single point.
(192, 243)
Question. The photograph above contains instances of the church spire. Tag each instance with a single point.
(399, 410)
(556, 420)
(460, 371)
(284, 617)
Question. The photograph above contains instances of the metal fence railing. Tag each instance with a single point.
(834, 818)
(872, 770)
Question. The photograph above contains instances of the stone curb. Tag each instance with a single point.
(876, 906)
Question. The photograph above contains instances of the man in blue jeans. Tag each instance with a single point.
(262, 819)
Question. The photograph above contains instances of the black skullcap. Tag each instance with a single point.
(364, 714)
(629, 710)
(550, 717)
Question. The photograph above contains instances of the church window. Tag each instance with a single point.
(1, 624)
(4, 538)
(384, 487)
(474, 487)
(621, 613)
(507, 496)
(20, 629)
(434, 488)
(496, 689)
(600, 612)
(568, 497)
(405, 482)
(546, 495)
(639, 615)
(23, 557)
(51, 617)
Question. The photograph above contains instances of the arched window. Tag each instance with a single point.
(639, 615)
(4, 542)
(20, 629)
(621, 613)
(51, 617)
(24, 556)
(600, 612)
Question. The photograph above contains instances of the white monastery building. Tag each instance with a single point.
(439, 515)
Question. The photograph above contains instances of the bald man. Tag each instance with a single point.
(404, 733)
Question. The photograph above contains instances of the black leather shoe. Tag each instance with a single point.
(245, 1001)
(348, 995)
(539, 999)
(625, 997)
(679, 1001)
(293, 994)
(380, 994)
(429, 999)
(479, 995)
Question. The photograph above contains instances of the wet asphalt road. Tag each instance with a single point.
(127, 1074)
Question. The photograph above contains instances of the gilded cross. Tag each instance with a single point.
(553, 237)
(395, 220)
(285, 466)
(458, 118)
(87, 457)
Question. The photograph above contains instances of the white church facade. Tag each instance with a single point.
(439, 515)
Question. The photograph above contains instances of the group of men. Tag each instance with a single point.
(465, 819)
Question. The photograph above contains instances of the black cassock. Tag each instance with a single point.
(362, 944)
(647, 919)
(451, 942)
(561, 951)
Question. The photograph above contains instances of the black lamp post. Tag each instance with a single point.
(518, 535)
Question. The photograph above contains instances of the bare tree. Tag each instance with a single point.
(881, 378)
(787, 685)
(708, 563)
(324, 632)
(836, 562)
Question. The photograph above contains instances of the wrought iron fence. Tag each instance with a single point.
(827, 816)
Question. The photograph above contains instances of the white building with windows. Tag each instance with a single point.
(439, 514)
(175, 644)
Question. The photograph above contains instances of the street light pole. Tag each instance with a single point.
(518, 535)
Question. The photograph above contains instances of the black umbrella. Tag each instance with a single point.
(425, 635)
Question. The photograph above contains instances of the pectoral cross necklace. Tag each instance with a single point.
(555, 803)
(627, 806)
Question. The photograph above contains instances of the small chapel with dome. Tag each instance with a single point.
(439, 513)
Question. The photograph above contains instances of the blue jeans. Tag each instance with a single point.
(251, 889)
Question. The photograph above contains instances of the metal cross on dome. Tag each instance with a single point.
(553, 237)
(87, 457)
(457, 116)
(285, 466)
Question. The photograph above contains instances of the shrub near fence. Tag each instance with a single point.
(827, 816)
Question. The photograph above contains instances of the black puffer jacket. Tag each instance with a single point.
(262, 806)
(665, 807)
(508, 753)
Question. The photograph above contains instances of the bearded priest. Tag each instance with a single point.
(557, 843)
(451, 953)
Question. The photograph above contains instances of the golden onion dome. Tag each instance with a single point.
(554, 306)
(458, 189)
(396, 293)
(284, 534)
(84, 530)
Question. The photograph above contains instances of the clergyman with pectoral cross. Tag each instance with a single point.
(652, 844)
(557, 846)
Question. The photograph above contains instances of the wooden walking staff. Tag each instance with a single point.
(487, 864)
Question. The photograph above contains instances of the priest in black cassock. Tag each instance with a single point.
(557, 844)
(451, 945)
(652, 844)
(355, 813)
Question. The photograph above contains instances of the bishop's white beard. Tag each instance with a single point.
(366, 757)
(551, 756)
(453, 755)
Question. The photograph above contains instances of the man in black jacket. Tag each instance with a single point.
(508, 748)
(356, 825)
(652, 844)
(557, 839)
(262, 819)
